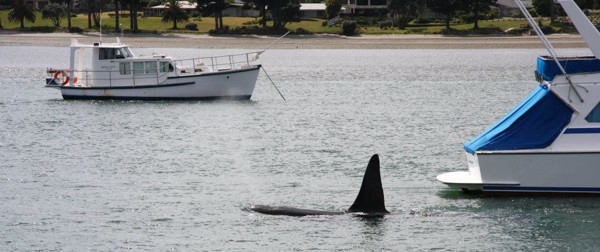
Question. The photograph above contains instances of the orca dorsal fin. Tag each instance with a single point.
(370, 197)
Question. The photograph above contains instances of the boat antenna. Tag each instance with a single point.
(546, 43)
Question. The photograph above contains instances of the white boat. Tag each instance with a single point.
(550, 142)
(113, 71)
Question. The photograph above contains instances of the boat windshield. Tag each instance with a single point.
(115, 53)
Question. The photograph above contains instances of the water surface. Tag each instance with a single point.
(157, 176)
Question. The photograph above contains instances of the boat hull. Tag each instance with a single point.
(529, 172)
(234, 84)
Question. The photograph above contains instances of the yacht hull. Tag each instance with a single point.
(514, 172)
(233, 84)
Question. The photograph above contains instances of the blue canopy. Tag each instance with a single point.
(534, 123)
(548, 69)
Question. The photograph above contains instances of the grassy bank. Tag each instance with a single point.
(154, 24)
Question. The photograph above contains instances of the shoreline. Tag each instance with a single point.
(296, 41)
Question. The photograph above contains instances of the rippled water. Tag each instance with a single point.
(158, 176)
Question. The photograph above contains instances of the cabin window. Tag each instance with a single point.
(138, 67)
(150, 67)
(594, 116)
(166, 67)
(126, 53)
(144, 67)
(125, 68)
(118, 54)
(114, 53)
(107, 53)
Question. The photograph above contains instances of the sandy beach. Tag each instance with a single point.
(297, 41)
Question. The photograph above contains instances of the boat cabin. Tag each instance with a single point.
(114, 65)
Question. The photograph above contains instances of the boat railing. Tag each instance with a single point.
(115, 78)
(218, 63)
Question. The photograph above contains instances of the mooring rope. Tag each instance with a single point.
(272, 83)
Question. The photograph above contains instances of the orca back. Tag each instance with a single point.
(370, 198)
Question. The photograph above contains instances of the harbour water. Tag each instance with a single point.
(177, 176)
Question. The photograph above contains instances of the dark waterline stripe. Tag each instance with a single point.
(208, 98)
(540, 189)
(582, 131)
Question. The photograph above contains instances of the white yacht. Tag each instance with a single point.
(550, 142)
(113, 71)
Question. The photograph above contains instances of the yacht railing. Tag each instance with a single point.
(157, 76)
(114, 78)
(218, 63)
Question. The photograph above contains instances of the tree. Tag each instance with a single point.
(133, 8)
(116, 2)
(333, 8)
(403, 10)
(213, 7)
(447, 7)
(69, 4)
(54, 12)
(260, 5)
(20, 12)
(476, 7)
(284, 11)
(174, 13)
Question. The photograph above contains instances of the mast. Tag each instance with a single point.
(583, 25)
(547, 43)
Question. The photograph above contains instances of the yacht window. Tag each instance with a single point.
(126, 53)
(119, 54)
(125, 68)
(594, 116)
(107, 53)
(150, 66)
(166, 67)
(138, 67)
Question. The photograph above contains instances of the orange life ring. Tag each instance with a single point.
(64, 76)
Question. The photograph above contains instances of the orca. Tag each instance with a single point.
(369, 202)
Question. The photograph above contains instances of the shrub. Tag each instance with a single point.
(75, 29)
(251, 22)
(401, 22)
(41, 28)
(422, 21)
(191, 27)
(301, 31)
(384, 25)
(349, 27)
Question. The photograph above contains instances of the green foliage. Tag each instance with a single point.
(543, 7)
(447, 7)
(46, 29)
(333, 8)
(284, 11)
(191, 27)
(174, 14)
(477, 8)
(349, 27)
(20, 12)
(75, 29)
(215, 8)
(54, 12)
(153, 3)
(407, 8)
